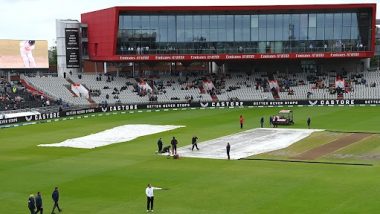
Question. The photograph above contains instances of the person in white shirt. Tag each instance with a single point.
(26, 48)
(150, 197)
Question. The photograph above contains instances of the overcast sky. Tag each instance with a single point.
(35, 19)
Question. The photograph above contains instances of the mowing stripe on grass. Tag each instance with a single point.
(303, 161)
(331, 147)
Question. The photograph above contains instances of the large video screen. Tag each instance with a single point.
(23, 54)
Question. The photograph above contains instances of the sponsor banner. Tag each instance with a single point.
(222, 104)
(9, 121)
(117, 108)
(212, 57)
(44, 116)
(78, 112)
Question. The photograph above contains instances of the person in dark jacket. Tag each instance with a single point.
(159, 144)
(31, 204)
(262, 122)
(194, 142)
(270, 121)
(55, 197)
(174, 143)
(228, 148)
(39, 203)
(308, 122)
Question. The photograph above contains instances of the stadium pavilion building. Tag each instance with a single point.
(219, 38)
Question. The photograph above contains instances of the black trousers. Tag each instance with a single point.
(56, 206)
(194, 145)
(228, 154)
(149, 203)
(241, 125)
(39, 210)
(31, 210)
(174, 149)
(159, 148)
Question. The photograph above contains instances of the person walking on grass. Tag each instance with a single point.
(262, 122)
(31, 204)
(241, 119)
(308, 122)
(40, 209)
(150, 197)
(55, 197)
(228, 148)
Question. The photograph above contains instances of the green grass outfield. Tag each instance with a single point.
(112, 179)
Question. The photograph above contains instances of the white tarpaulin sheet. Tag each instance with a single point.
(115, 135)
(247, 143)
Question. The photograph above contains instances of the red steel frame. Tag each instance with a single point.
(103, 29)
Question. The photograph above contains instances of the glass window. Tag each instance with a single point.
(295, 26)
(180, 28)
(337, 26)
(197, 21)
(197, 35)
(205, 22)
(321, 20)
(213, 35)
(329, 20)
(270, 34)
(286, 27)
(188, 34)
(278, 27)
(171, 29)
(312, 20)
(188, 22)
(221, 21)
(329, 33)
(262, 34)
(346, 19)
(222, 36)
(354, 33)
(121, 22)
(163, 21)
(354, 19)
(145, 22)
(254, 34)
(270, 21)
(346, 33)
(154, 22)
(136, 21)
(213, 21)
(238, 28)
(254, 21)
(262, 21)
(304, 20)
(246, 23)
(312, 33)
(320, 34)
(206, 34)
(230, 35)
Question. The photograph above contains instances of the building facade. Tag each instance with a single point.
(223, 34)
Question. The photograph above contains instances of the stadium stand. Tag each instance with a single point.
(233, 86)
(14, 95)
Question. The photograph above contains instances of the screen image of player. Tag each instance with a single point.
(24, 53)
